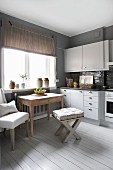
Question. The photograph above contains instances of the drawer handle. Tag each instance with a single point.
(80, 91)
(64, 90)
(90, 103)
(64, 95)
(90, 109)
(90, 91)
(90, 97)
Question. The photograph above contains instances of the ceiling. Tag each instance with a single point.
(69, 17)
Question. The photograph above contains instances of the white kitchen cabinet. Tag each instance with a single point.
(66, 97)
(90, 57)
(77, 99)
(91, 105)
(93, 56)
(73, 59)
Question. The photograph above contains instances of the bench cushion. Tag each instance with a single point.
(68, 113)
(13, 120)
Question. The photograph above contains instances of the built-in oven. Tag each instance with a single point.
(109, 105)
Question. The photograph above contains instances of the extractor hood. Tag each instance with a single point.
(110, 63)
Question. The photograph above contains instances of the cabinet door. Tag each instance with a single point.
(77, 99)
(73, 59)
(66, 97)
(93, 56)
(91, 113)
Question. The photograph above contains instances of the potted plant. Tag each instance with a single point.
(24, 77)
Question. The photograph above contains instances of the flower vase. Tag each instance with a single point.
(23, 85)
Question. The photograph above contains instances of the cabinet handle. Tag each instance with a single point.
(64, 90)
(80, 91)
(90, 109)
(90, 97)
(90, 103)
(64, 95)
(90, 91)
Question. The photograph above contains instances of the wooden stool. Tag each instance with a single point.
(64, 116)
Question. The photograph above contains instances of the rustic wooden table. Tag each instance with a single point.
(36, 100)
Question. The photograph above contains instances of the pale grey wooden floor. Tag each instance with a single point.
(45, 151)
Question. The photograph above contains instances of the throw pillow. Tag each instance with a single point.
(6, 108)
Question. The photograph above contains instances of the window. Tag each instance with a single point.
(16, 62)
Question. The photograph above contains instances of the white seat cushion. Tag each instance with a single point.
(13, 120)
(68, 113)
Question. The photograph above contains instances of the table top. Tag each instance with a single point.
(40, 97)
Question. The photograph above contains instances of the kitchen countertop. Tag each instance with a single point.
(72, 88)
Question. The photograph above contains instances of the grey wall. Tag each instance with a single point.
(108, 33)
(62, 42)
(87, 37)
(100, 34)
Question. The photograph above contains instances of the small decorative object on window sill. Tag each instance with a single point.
(24, 77)
(39, 82)
(12, 84)
(17, 86)
(46, 82)
(23, 85)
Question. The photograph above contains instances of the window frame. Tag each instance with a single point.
(27, 60)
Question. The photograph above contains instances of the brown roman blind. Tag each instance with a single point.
(16, 35)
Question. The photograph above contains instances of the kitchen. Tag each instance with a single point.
(92, 78)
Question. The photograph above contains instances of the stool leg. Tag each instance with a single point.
(59, 130)
(27, 128)
(71, 129)
(12, 136)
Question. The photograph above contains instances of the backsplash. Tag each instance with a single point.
(109, 77)
(101, 78)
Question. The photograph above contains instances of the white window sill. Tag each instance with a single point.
(25, 89)
(17, 90)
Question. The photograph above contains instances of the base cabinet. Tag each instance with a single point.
(88, 101)
(91, 104)
(66, 97)
(77, 99)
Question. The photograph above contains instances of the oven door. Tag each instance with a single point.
(109, 107)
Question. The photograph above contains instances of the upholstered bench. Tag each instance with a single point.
(64, 116)
(11, 121)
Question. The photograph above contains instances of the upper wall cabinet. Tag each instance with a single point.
(93, 56)
(73, 59)
(90, 57)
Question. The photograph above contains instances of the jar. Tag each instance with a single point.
(12, 84)
(46, 82)
(75, 84)
(39, 82)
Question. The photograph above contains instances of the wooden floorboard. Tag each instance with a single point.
(45, 151)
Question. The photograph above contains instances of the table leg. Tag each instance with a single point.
(61, 103)
(20, 107)
(31, 112)
(48, 110)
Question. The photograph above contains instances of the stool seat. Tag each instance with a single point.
(68, 113)
(64, 116)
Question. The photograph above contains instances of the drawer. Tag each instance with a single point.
(91, 104)
(91, 93)
(65, 91)
(91, 113)
(91, 99)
